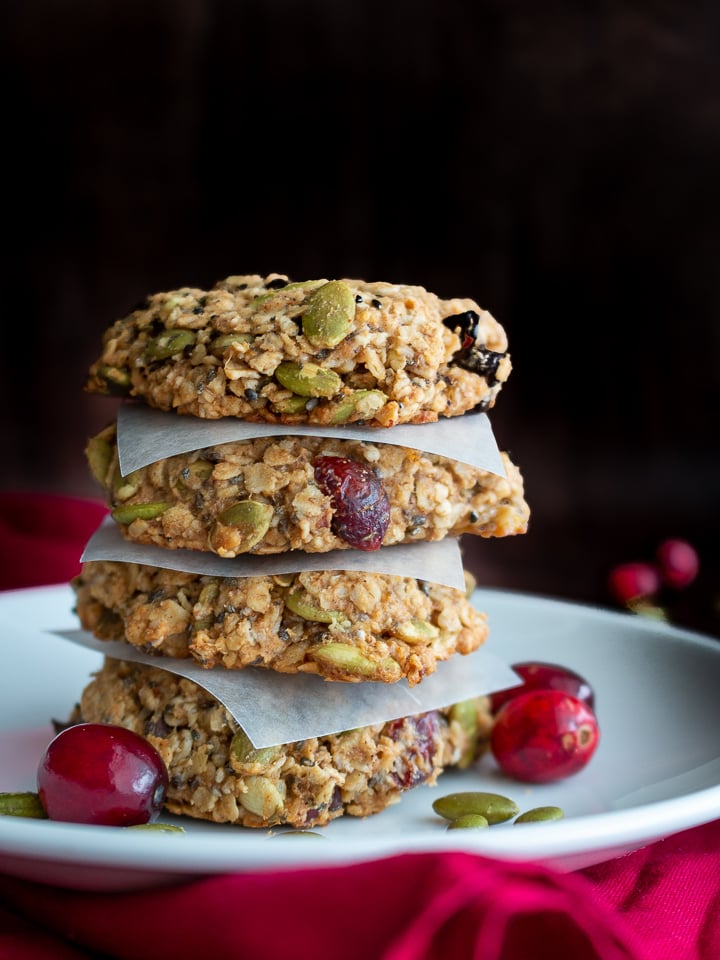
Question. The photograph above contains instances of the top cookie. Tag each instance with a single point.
(318, 351)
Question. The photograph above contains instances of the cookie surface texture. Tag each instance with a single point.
(190, 501)
(342, 626)
(320, 351)
(215, 773)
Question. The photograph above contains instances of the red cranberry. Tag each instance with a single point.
(361, 507)
(633, 581)
(537, 675)
(544, 735)
(101, 774)
(678, 562)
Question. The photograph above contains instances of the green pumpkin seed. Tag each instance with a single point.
(138, 511)
(168, 343)
(465, 713)
(298, 602)
(251, 518)
(116, 378)
(329, 314)
(290, 405)
(493, 806)
(24, 804)
(124, 487)
(198, 470)
(308, 379)
(348, 659)
(306, 284)
(360, 405)
(468, 821)
(242, 750)
(539, 814)
(416, 631)
(99, 454)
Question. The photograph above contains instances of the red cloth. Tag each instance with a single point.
(660, 903)
(42, 537)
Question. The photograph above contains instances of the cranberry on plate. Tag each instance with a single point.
(101, 774)
(544, 735)
(539, 675)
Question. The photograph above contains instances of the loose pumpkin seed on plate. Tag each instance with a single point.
(493, 806)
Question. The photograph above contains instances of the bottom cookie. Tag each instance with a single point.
(216, 774)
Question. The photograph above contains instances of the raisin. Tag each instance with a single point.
(361, 509)
(463, 324)
(472, 355)
(482, 361)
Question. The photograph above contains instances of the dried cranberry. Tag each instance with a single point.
(415, 764)
(537, 675)
(101, 774)
(678, 563)
(544, 735)
(361, 509)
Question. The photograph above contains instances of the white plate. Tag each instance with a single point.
(656, 771)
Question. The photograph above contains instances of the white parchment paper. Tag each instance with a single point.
(274, 708)
(145, 435)
(438, 561)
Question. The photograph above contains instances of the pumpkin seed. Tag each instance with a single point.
(251, 519)
(24, 804)
(347, 659)
(242, 750)
(308, 379)
(138, 511)
(493, 806)
(329, 314)
(538, 814)
(359, 404)
(298, 602)
(168, 343)
(468, 821)
(465, 714)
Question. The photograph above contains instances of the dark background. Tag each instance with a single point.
(557, 162)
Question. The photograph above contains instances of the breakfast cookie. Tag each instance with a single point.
(216, 774)
(319, 351)
(341, 625)
(273, 494)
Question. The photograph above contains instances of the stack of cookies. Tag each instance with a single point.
(269, 551)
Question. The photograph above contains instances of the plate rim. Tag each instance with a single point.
(202, 853)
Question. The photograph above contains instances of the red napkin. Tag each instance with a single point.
(42, 537)
(660, 903)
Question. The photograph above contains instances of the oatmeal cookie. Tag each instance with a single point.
(216, 774)
(270, 495)
(344, 626)
(322, 352)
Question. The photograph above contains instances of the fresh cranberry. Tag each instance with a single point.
(678, 563)
(537, 675)
(361, 509)
(633, 581)
(544, 735)
(101, 774)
